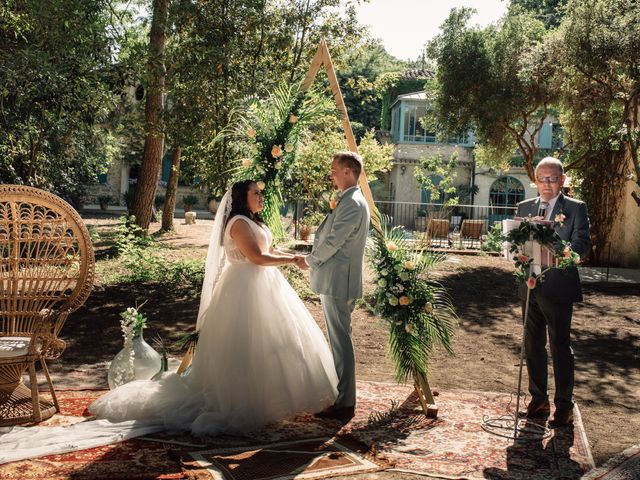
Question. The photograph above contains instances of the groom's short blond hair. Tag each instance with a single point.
(351, 160)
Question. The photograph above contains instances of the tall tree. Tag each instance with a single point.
(154, 122)
(500, 81)
(600, 41)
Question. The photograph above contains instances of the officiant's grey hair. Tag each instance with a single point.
(550, 162)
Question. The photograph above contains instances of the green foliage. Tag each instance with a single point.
(365, 75)
(266, 44)
(418, 310)
(141, 257)
(550, 12)
(57, 87)
(494, 240)
(437, 177)
(312, 167)
(106, 199)
(190, 200)
(500, 81)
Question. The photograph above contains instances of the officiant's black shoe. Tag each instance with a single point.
(537, 410)
(562, 417)
(343, 414)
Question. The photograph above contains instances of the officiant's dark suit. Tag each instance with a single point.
(551, 302)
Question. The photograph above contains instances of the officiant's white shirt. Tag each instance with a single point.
(552, 204)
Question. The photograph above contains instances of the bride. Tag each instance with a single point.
(260, 355)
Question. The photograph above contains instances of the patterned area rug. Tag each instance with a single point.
(300, 459)
(134, 459)
(624, 466)
(454, 445)
(387, 432)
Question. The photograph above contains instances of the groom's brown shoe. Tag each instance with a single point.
(537, 410)
(343, 414)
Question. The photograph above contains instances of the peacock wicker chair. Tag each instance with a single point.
(46, 272)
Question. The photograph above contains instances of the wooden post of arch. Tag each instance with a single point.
(323, 58)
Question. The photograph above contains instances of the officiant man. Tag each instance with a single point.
(336, 274)
(551, 302)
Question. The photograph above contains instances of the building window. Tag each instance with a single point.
(505, 192)
(413, 128)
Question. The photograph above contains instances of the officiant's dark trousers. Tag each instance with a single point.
(555, 318)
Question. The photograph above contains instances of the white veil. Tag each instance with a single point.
(216, 257)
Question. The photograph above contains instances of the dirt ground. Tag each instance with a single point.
(606, 336)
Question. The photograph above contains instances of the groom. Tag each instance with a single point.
(336, 274)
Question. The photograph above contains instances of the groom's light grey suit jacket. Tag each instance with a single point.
(338, 248)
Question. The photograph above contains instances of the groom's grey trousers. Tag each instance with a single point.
(337, 315)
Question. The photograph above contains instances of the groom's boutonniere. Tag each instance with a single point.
(560, 218)
(334, 199)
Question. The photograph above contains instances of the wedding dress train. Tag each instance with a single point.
(260, 358)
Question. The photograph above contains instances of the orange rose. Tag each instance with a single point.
(404, 300)
(251, 133)
(246, 162)
(531, 283)
(392, 247)
(276, 151)
(293, 118)
(333, 203)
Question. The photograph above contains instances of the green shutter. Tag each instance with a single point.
(544, 137)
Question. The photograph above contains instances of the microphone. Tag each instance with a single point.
(542, 209)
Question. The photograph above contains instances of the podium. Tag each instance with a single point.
(534, 259)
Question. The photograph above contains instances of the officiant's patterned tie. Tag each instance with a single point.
(542, 210)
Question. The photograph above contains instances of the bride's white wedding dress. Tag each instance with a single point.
(260, 357)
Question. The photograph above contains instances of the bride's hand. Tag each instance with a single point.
(299, 261)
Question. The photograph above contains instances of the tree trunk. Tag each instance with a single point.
(154, 123)
(172, 187)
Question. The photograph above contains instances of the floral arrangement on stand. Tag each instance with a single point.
(417, 308)
(544, 234)
(271, 129)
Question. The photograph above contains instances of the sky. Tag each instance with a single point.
(405, 26)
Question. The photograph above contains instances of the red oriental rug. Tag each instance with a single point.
(134, 459)
(386, 432)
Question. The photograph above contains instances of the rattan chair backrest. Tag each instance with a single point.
(46, 259)
(472, 229)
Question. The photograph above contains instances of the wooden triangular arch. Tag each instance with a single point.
(323, 58)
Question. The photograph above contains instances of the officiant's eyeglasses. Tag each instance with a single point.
(547, 179)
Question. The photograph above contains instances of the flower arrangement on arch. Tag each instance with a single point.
(270, 131)
(419, 312)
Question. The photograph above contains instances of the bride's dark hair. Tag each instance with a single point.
(239, 205)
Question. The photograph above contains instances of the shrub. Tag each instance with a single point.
(494, 239)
